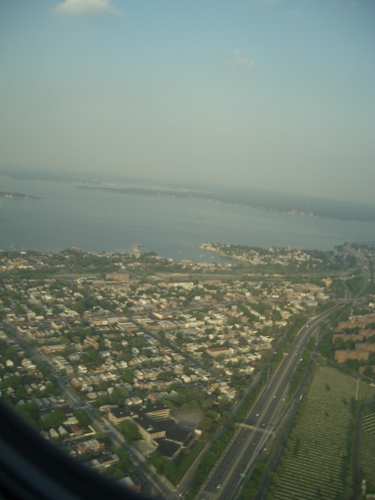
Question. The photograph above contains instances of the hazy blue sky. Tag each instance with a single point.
(274, 94)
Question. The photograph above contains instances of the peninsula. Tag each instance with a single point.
(260, 200)
(18, 196)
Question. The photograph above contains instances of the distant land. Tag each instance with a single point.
(261, 200)
(20, 196)
(294, 204)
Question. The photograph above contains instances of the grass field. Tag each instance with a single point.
(316, 459)
(368, 451)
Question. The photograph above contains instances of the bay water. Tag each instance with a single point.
(172, 227)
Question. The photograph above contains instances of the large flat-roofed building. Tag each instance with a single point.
(155, 426)
(168, 448)
(151, 429)
(157, 411)
(118, 415)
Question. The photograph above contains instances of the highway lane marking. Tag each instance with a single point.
(254, 428)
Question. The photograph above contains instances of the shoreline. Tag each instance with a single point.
(19, 196)
(191, 195)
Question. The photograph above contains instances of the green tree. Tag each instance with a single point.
(125, 462)
(369, 372)
(11, 354)
(186, 370)
(29, 412)
(103, 385)
(79, 307)
(19, 310)
(127, 376)
(82, 417)
(130, 431)
(21, 392)
(206, 423)
(54, 419)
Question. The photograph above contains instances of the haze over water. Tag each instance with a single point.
(254, 94)
(171, 227)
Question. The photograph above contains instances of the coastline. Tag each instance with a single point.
(226, 199)
(19, 196)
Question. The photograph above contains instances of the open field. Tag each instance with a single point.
(316, 458)
(189, 418)
(368, 449)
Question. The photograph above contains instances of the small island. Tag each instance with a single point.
(18, 196)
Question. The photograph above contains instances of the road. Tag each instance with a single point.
(361, 262)
(158, 485)
(230, 472)
(101, 425)
(251, 437)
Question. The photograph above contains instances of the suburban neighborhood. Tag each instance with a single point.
(162, 351)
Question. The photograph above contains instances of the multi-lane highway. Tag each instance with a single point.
(228, 475)
(363, 263)
(252, 436)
